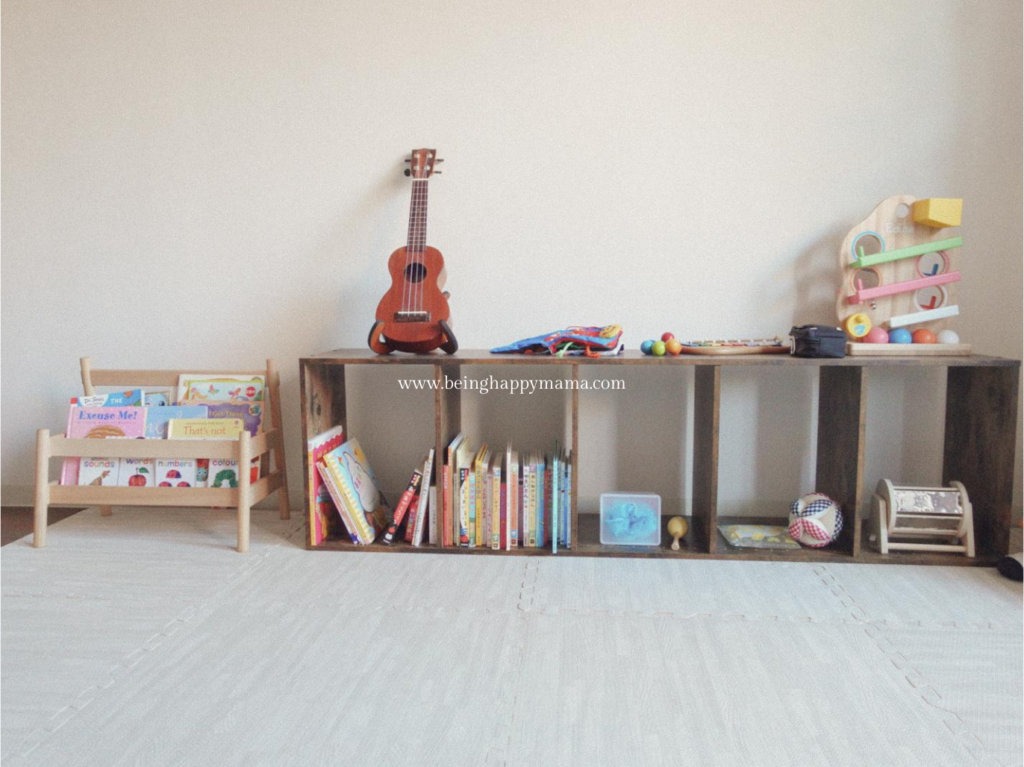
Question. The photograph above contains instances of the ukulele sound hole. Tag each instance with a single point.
(415, 273)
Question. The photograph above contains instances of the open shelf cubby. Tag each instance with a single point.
(978, 446)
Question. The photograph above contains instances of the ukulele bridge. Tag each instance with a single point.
(412, 316)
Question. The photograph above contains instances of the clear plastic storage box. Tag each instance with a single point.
(631, 519)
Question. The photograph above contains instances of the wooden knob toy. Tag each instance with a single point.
(677, 528)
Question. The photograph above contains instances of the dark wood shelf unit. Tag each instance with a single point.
(979, 447)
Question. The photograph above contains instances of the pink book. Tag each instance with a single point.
(100, 422)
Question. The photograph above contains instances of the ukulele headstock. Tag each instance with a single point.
(421, 163)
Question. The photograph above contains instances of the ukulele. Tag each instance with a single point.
(413, 315)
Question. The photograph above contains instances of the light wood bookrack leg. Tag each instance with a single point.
(244, 469)
(42, 499)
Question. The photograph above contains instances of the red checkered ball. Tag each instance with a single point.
(815, 520)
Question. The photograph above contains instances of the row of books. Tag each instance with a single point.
(506, 500)
(495, 500)
(135, 414)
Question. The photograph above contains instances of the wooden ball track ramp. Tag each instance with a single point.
(899, 269)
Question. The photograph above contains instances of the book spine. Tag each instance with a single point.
(479, 506)
(547, 505)
(555, 510)
(419, 511)
(314, 522)
(403, 506)
(504, 513)
(446, 503)
(463, 507)
(425, 516)
(339, 503)
(497, 524)
(531, 506)
(414, 514)
(520, 530)
(471, 501)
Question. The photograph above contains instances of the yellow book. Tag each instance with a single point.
(204, 428)
(479, 472)
(495, 497)
(350, 473)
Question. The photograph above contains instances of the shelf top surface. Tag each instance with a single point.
(635, 357)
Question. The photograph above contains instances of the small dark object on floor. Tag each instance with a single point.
(1012, 567)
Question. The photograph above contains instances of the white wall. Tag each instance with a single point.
(212, 183)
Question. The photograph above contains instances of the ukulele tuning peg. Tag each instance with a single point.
(408, 159)
(408, 172)
(441, 160)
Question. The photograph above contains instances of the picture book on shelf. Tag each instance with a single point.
(220, 388)
(176, 472)
(130, 398)
(320, 504)
(106, 421)
(136, 472)
(449, 517)
(460, 495)
(157, 398)
(352, 480)
(98, 471)
(158, 418)
(403, 505)
(250, 413)
(205, 428)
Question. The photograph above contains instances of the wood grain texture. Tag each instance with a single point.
(980, 447)
(707, 402)
(839, 473)
(633, 357)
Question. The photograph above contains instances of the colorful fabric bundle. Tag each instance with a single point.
(591, 341)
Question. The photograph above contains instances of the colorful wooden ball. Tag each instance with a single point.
(948, 337)
(673, 347)
(923, 336)
(666, 337)
(900, 336)
(876, 336)
(658, 348)
(645, 347)
(858, 325)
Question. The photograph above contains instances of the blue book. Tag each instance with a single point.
(555, 470)
(130, 398)
(542, 490)
(157, 418)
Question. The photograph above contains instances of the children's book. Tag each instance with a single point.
(494, 497)
(251, 413)
(419, 511)
(463, 464)
(355, 531)
(136, 472)
(556, 469)
(449, 518)
(107, 421)
(130, 398)
(98, 471)
(358, 486)
(432, 517)
(205, 428)
(87, 422)
(157, 398)
(319, 499)
(521, 504)
(511, 526)
(220, 388)
(483, 456)
(176, 472)
(402, 508)
(158, 418)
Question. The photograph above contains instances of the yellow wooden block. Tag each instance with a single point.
(938, 212)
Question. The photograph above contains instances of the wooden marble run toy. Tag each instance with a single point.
(922, 518)
(899, 271)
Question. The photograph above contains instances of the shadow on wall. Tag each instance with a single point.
(815, 281)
